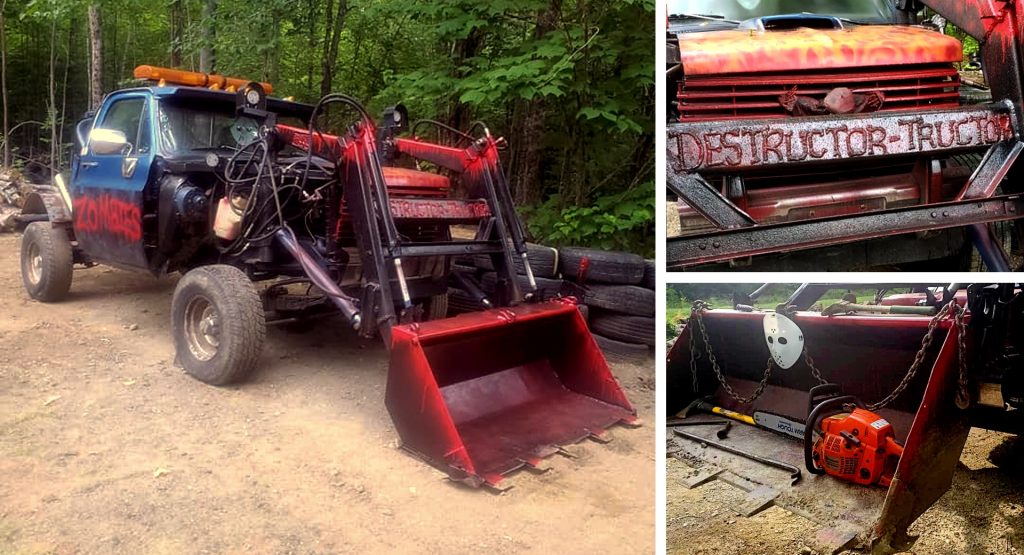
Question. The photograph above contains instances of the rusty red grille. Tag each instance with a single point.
(756, 95)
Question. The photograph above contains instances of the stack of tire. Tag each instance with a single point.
(619, 291)
(543, 263)
(615, 291)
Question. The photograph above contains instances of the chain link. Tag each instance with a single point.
(814, 369)
(697, 306)
(950, 309)
(697, 320)
(963, 394)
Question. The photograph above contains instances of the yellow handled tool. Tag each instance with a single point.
(701, 405)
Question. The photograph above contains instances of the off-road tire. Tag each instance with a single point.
(620, 350)
(543, 261)
(436, 308)
(631, 329)
(625, 299)
(47, 262)
(546, 288)
(597, 266)
(460, 302)
(650, 275)
(239, 320)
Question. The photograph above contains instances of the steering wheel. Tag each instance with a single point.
(244, 131)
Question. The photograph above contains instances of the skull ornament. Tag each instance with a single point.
(784, 338)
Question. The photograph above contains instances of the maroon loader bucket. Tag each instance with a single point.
(485, 393)
(868, 356)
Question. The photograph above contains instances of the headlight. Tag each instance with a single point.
(252, 96)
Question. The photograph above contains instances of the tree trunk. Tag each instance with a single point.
(332, 38)
(272, 65)
(3, 83)
(466, 48)
(177, 32)
(528, 126)
(52, 89)
(73, 24)
(207, 59)
(311, 13)
(95, 58)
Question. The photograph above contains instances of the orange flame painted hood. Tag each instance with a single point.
(745, 51)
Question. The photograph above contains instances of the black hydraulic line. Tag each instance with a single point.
(448, 128)
(320, 278)
(361, 202)
(795, 473)
(827, 407)
(383, 204)
(469, 285)
(496, 202)
(514, 223)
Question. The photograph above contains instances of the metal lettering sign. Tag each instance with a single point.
(732, 145)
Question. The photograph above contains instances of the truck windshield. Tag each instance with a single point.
(861, 11)
(188, 128)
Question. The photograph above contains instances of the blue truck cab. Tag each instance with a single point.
(143, 170)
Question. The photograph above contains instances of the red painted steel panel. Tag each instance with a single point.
(930, 454)
(439, 209)
(485, 393)
(410, 182)
(819, 200)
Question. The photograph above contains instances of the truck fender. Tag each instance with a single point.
(46, 203)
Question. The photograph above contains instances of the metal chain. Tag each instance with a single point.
(789, 312)
(693, 344)
(697, 320)
(951, 309)
(963, 395)
(814, 369)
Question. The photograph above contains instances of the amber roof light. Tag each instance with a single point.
(213, 81)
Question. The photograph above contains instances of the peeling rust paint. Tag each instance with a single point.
(742, 51)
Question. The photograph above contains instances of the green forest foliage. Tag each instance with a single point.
(679, 297)
(569, 83)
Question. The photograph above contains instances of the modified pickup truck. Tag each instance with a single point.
(269, 217)
(843, 139)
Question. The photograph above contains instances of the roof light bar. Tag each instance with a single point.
(213, 81)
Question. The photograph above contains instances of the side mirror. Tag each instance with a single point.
(82, 132)
(107, 141)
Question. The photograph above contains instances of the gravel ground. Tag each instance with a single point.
(982, 514)
(107, 447)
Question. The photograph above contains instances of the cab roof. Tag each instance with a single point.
(185, 93)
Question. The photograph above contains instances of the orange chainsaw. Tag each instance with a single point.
(853, 444)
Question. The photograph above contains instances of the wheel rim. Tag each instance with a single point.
(202, 328)
(35, 264)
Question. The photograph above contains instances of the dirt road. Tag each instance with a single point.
(106, 447)
(982, 514)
